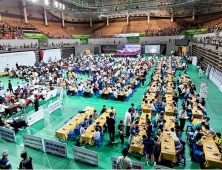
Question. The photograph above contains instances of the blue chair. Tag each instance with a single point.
(154, 112)
(189, 128)
(189, 114)
(197, 156)
(92, 95)
(153, 132)
(66, 121)
(79, 111)
(140, 109)
(102, 135)
(72, 117)
(127, 98)
(81, 123)
(71, 135)
(77, 130)
(98, 142)
(181, 139)
(190, 136)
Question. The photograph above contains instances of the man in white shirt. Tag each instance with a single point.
(127, 121)
(96, 135)
(123, 161)
(35, 92)
(2, 108)
(82, 130)
(174, 136)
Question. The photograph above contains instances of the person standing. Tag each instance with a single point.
(121, 129)
(26, 163)
(182, 116)
(36, 103)
(123, 161)
(4, 162)
(111, 127)
(10, 86)
(200, 72)
(127, 122)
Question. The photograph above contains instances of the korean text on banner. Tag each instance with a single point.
(85, 155)
(32, 141)
(35, 117)
(55, 148)
(54, 106)
(7, 134)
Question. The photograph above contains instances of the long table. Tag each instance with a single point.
(71, 125)
(210, 147)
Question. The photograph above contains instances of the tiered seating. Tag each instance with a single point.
(7, 32)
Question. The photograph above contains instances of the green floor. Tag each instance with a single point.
(46, 128)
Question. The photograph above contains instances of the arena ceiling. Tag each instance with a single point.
(158, 8)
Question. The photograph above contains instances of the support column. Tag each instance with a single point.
(172, 18)
(193, 16)
(107, 22)
(90, 20)
(62, 18)
(25, 13)
(45, 16)
(148, 19)
(127, 20)
(0, 17)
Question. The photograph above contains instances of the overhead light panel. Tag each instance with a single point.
(56, 4)
(46, 2)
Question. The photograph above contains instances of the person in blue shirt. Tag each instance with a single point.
(4, 162)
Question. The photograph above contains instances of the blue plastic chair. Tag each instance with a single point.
(127, 98)
(98, 142)
(190, 136)
(154, 112)
(72, 117)
(77, 130)
(79, 111)
(102, 135)
(189, 128)
(71, 135)
(154, 123)
(197, 156)
(66, 121)
(81, 123)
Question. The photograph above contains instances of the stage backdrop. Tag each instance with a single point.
(55, 54)
(23, 58)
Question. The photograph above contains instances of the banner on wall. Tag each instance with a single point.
(85, 155)
(53, 55)
(54, 106)
(135, 165)
(35, 117)
(55, 148)
(32, 141)
(7, 134)
(203, 90)
(22, 58)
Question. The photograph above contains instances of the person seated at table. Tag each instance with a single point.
(207, 121)
(159, 117)
(151, 105)
(82, 129)
(18, 89)
(7, 93)
(22, 103)
(90, 120)
(103, 109)
(144, 104)
(199, 125)
(209, 131)
(35, 92)
(177, 129)
(95, 115)
(86, 123)
(130, 139)
(2, 109)
(174, 136)
(180, 150)
(1, 85)
(96, 135)
(99, 127)
(44, 93)
(218, 139)
(134, 125)
(12, 100)
(199, 143)
(136, 130)
(32, 98)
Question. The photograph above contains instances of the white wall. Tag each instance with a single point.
(56, 42)
(18, 42)
(107, 41)
(81, 48)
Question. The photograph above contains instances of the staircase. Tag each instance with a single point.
(37, 56)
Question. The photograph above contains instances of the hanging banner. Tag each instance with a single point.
(54, 106)
(135, 165)
(203, 90)
(85, 155)
(35, 117)
(7, 134)
(55, 148)
(32, 141)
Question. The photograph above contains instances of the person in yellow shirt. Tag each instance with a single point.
(218, 139)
